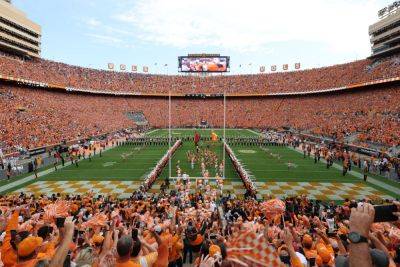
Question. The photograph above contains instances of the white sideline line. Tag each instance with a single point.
(254, 132)
(152, 131)
(102, 169)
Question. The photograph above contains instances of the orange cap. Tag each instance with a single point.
(97, 239)
(29, 245)
(343, 230)
(307, 240)
(214, 249)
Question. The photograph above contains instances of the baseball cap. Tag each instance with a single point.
(307, 240)
(29, 245)
(214, 249)
(97, 239)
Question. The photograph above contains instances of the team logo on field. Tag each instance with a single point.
(247, 151)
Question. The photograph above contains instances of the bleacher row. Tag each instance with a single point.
(64, 75)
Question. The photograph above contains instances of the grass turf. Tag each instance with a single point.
(271, 164)
(263, 165)
(111, 166)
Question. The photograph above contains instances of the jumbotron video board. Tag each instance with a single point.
(203, 63)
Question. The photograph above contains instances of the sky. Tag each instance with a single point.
(253, 33)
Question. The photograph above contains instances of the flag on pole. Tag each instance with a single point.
(122, 67)
(110, 66)
(262, 68)
(134, 68)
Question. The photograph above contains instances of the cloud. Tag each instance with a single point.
(252, 25)
(106, 39)
(92, 22)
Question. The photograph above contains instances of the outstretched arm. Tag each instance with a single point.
(62, 251)
(361, 219)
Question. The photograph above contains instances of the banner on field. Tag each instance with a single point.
(134, 68)
(285, 66)
(110, 66)
(273, 68)
(122, 67)
(262, 68)
(145, 69)
(297, 66)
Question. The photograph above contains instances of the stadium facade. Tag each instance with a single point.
(385, 34)
(18, 34)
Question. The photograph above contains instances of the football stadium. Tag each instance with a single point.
(203, 161)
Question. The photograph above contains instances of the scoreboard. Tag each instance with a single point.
(203, 63)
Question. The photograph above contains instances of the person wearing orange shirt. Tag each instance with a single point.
(124, 249)
(48, 247)
(163, 247)
(149, 259)
(11, 240)
(28, 250)
(175, 256)
(309, 251)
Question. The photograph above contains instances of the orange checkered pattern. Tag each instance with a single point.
(254, 250)
(314, 190)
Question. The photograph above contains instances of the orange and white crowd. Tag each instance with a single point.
(57, 73)
(182, 227)
(31, 118)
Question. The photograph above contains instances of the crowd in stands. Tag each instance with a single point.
(31, 118)
(170, 229)
(61, 74)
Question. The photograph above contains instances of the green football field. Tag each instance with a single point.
(268, 166)
(186, 167)
(139, 161)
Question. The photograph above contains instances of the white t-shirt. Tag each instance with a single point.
(302, 258)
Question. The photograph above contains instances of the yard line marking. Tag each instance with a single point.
(152, 131)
